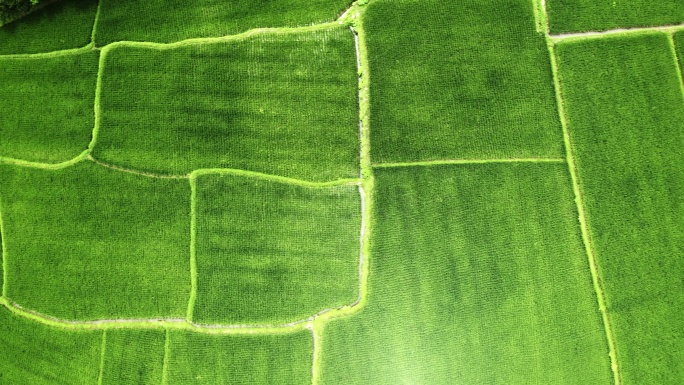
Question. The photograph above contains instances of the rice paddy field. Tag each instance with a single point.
(342, 193)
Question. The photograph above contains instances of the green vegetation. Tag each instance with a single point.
(474, 82)
(87, 242)
(35, 354)
(478, 276)
(133, 357)
(63, 24)
(276, 103)
(679, 47)
(167, 21)
(598, 15)
(625, 112)
(273, 252)
(47, 106)
(239, 360)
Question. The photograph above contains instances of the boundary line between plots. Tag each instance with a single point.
(673, 49)
(136, 172)
(273, 178)
(103, 348)
(45, 166)
(3, 253)
(615, 32)
(165, 362)
(584, 227)
(97, 18)
(468, 161)
(96, 101)
(316, 354)
(43, 55)
(193, 256)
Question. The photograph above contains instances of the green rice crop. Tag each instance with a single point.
(87, 242)
(172, 20)
(478, 276)
(47, 106)
(200, 359)
(35, 354)
(459, 79)
(60, 25)
(598, 15)
(275, 103)
(625, 112)
(133, 357)
(678, 39)
(274, 252)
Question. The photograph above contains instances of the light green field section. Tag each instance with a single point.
(273, 252)
(625, 112)
(198, 359)
(35, 354)
(455, 80)
(133, 357)
(478, 276)
(87, 242)
(277, 103)
(47, 106)
(172, 20)
(597, 15)
(64, 24)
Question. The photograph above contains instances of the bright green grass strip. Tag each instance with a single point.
(274, 103)
(62, 25)
(35, 354)
(175, 20)
(269, 252)
(255, 360)
(625, 113)
(458, 80)
(478, 276)
(133, 357)
(47, 106)
(86, 242)
(566, 16)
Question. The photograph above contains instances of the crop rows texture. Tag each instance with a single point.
(275, 103)
(627, 127)
(567, 16)
(47, 106)
(459, 80)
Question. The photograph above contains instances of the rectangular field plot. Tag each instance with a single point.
(474, 82)
(625, 112)
(36, 354)
(274, 252)
(174, 20)
(47, 106)
(87, 242)
(199, 359)
(566, 16)
(63, 25)
(478, 276)
(133, 357)
(275, 103)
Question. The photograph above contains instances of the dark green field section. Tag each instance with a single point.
(47, 106)
(36, 354)
(61, 25)
(455, 80)
(567, 16)
(167, 21)
(478, 276)
(271, 252)
(87, 242)
(625, 112)
(133, 357)
(199, 359)
(277, 103)
(679, 47)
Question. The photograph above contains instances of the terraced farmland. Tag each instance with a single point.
(337, 192)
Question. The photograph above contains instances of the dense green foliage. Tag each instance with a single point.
(679, 47)
(626, 118)
(133, 357)
(286, 253)
(87, 242)
(47, 106)
(172, 20)
(275, 103)
(597, 15)
(478, 276)
(31, 353)
(63, 24)
(459, 79)
(202, 359)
